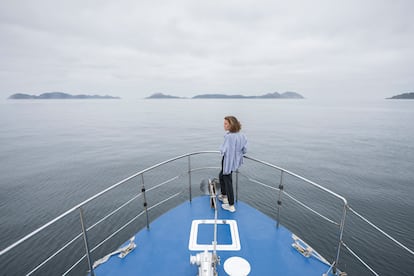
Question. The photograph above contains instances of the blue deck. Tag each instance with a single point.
(164, 249)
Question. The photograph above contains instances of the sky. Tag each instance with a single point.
(135, 48)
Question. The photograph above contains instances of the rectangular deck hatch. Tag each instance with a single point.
(202, 235)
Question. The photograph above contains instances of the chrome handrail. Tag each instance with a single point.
(299, 177)
(85, 202)
(344, 201)
(346, 208)
(94, 197)
(189, 171)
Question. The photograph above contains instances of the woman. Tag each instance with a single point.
(232, 150)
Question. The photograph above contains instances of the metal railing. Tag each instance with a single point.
(281, 192)
(187, 172)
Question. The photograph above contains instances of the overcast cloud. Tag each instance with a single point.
(136, 48)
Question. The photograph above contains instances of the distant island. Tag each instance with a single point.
(402, 96)
(162, 96)
(275, 95)
(57, 96)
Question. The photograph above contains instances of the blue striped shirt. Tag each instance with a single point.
(233, 148)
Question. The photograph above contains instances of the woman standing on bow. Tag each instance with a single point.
(232, 150)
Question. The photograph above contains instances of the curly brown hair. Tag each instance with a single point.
(235, 125)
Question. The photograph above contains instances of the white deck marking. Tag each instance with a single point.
(234, 232)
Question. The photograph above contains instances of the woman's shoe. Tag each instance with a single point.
(223, 198)
(228, 207)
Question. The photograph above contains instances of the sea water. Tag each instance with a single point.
(57, 153)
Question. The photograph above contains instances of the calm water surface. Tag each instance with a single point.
(55, 154)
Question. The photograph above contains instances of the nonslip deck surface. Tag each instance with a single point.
(164, 248)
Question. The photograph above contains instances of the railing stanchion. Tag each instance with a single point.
(145, 199)
(85, 239)
(279, 200)
(341, 232)
(189, 177)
